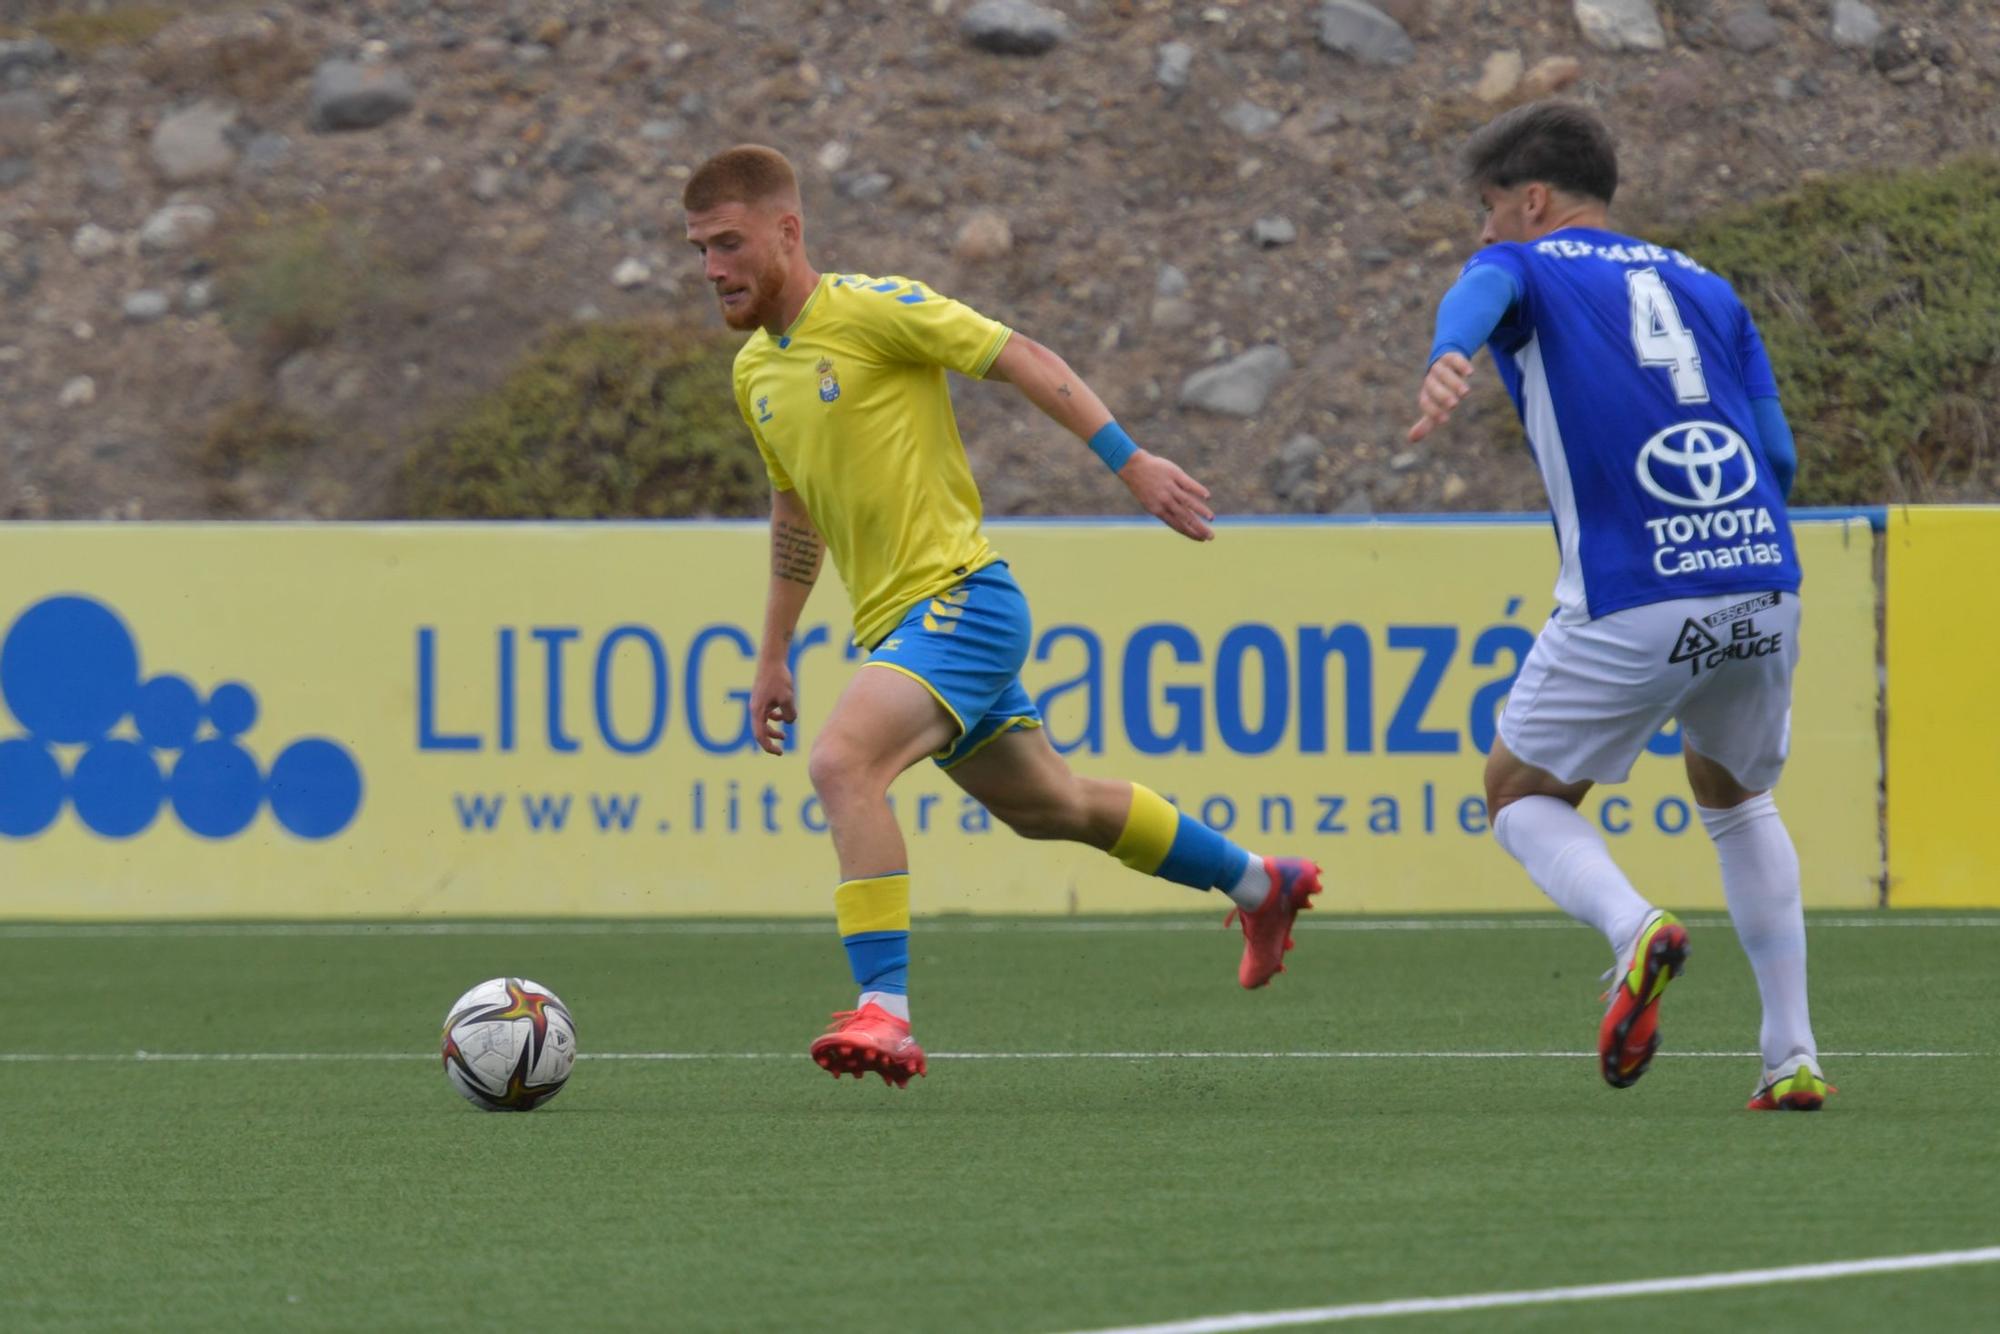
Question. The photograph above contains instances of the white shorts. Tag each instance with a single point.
(1591, 695)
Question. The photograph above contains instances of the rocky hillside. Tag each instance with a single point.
(250, 253)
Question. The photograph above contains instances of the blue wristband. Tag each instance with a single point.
(1113, 446)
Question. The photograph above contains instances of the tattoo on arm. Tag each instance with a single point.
(795, 552)
(1063, 389)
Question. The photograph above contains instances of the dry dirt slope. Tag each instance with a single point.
(531, 150)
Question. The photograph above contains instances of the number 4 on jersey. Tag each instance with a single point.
(1661, 339)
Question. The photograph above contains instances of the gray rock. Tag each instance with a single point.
(27, 56)
(1171, 307)
(1270, 233)
(319, 382)
(1551, 75)
(79, 392)
(1903, 53)
(176, 227)
(103, 177)
(1620, 25)
(193, 144)
(630, 274)
(92, 243)
(266, 152)
(1499, 77)
(1250, 120)
(488, 184)
(1176, 59)
(198, 296)
(863, 184)
(1173, 312)
(1356, 29)
(589, 202)
(1296, 465)
(1013, 27)
(20, 266)
(1405, 461)
(347, 95)
(1360, 503)
(1855, 24)
(983, 237)
(145, 307)
(1750, 27)
(580, 154)
(21, 114)
(1239, 387)
(660, 131)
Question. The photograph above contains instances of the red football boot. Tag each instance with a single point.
(1267, 932)
(869, 1038)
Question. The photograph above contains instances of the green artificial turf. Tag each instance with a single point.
(746, 1190)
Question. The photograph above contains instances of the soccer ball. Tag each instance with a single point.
(508, 1045)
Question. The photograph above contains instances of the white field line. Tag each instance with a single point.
(1591, 1292)
(169, 1057)
(808, 927)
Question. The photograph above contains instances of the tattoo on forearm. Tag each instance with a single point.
(1063, 389)
(795, 553)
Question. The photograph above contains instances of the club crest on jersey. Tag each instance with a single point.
(829, 383)
(764, 408)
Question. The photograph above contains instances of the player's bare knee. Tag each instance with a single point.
(838, 770)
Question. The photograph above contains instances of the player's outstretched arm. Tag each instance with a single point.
(796, 552)
(1467, 317)
(1161, 487)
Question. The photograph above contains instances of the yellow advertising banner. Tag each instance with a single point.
(1944, 714)
(431, 720)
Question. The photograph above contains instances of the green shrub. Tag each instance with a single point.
(251, 432)
(81, 35)
(1879, 298)
(290, 284)
(254, 66)
(632, 420)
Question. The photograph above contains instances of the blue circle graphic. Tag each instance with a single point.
(31, 788)
(117, 788)
(168, 712)
(216, 789)
(315, 788)
(69, 669)
(233, 708)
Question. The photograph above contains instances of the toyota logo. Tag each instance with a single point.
(1697, 465)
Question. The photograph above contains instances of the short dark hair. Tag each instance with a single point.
(1560, 144)
(745, 174)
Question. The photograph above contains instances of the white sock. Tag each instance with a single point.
(1252, 887)
(1566, 857)
(893, 1003)
(1760, 879)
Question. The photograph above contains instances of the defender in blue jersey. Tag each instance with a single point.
(1653, 414)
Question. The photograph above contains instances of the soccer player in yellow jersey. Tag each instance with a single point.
(842, 383)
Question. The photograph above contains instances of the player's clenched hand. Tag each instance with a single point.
(1169, 494)
(1444, 389)
(772, 705)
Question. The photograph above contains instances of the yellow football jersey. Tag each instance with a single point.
(850, 409)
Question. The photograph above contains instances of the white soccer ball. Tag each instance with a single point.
(508, 1045)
